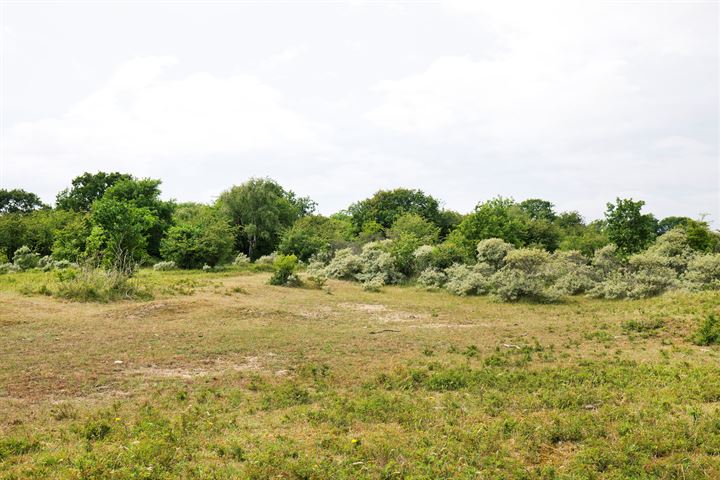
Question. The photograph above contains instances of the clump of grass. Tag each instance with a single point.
(709, 331)
(10, 447)
(97, 285)
(643, 326)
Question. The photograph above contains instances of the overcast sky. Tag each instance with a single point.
(576, 102)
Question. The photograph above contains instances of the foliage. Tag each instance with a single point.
(703, 272)
(164, 266)
(492, 252)
(627, 227)
(386, 206)
(19, 201)
(143, 194)
(285, 266)
(467, 280)
(709, 331)
(344, 265)
(87, 188)
(98, 285)
(497, 218)
(432, 279)
(538, 209)
(241, 260)
(261, 210)
(525, 276)
(25, 259)
(313, 234)
(378, 264)
(192, 246)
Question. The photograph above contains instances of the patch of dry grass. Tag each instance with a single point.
(224, 376)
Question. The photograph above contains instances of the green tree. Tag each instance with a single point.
(87, 188)
(538, 209)
(313, 234)
(19, 201)
(627, 227)
(120, 231)
(145, 194)
(385, 206)
(496, 218)
(262, 210)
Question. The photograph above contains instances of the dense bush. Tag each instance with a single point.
(164, 266)
(432, 279)
(378, 265)
(284, 266)
(98, 285)
(192, 246)
(703, 272)
(344, 265)
(25, 259)
(493, 251)
(525, 276)
(467, 280)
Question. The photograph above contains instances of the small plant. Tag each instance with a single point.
(709, 331)
(373, 284)
(25, 259)
(164, 266)
(241, 260)
(284, 266)
(432, 279)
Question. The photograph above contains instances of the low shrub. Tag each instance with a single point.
(525, 276)
(571, 273)
(432, 279)
(97, 285)
(344, 265)
(493, 251)
(284, 274)
(164, 266)
(25, 259)
(466, 280)
(373, 284)
(8, 268)
(241, 260)
(267, 259)
(709, 331)
(378, 265)
(703, 273)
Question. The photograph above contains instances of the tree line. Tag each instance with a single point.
(115, 217)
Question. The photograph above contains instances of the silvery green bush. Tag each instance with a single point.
(344, 265)
(8, 268)
(571, 273)
(525, 276)
(703, 272)
(432, 279)
(267, 259)
(378, 263)
(606, 259)
(492, 251)
(241, 259)
(25, 259)
(46, 263)
(423, 256)
(467, 280)
(164, 266)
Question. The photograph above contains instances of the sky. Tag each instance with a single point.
(577, 102)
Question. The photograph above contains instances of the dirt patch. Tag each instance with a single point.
(214, 367)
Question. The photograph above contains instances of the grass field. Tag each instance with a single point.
(223, 376)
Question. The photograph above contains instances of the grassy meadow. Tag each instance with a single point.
(220, 375)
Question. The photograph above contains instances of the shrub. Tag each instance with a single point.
(650, 275)
(376, 262)
(493, 251)
(606, 259)
(267, 259)
(525, 276)
(344, 265)
(241, 260)
(8, 267)
(615, 286)
(674, 248)
(25, 259)
(373, 284)
(571, 273)
(703, 272)
(432, 279)
(284, 266)
(466, 280)
(46, 263)
(63, 264)
(423, 257)
(164, 266)
(709, 331)
(191, 246)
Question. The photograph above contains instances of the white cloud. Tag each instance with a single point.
(139, 115)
